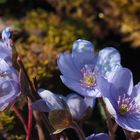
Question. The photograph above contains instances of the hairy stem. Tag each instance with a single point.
(33, 97)
(108, 121)
(29, 120)
(18, 114)
(39, 127)
(78, 130)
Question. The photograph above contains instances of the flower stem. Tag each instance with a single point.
(41, 135)
(108, 120)
(18, 114)
(29, 120)
(33, 97)
(23, 68)
(78, 130)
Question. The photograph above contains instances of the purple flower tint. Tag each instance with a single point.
(122, 99)
(78, 106)
(5, 53)
(49, 101)
(100, 136)
(7, 72)
(73, 102)
(108, 62)
(9, 90)
(9, 86)
(81, 68)
(6, 34)
(5, 46)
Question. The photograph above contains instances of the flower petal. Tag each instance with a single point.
(136, 93)
(83, 53)
(111, 106)
(130, 122)
(4, 66)
(40, 105)
(4, 52)
(90, 101)
(81, 45)
(52, 100)
(106, 91)
(108, 62)
(123, 80)
(9, 90)
(76, 86)
(6, 33)
(7, 72)
(67, 67)
(77, 106)
(84, 58)
(100, 136)
(104, 86)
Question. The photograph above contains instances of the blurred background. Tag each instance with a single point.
(48, 27)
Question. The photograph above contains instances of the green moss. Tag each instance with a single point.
(6, 120)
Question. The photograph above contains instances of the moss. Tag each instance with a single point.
(47, 37)
(6, 120)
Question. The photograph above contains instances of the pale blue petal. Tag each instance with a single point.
(130, 122)
(6, 53)
(77, 87)
(8, 88)
(90, 101)
(123, 80)
(6, 34)
(108, 92)
(99, 136)
(8, 92)
(40, 105)
(108, 62)
(81, 45)
(111, 106)
(4, 67)
(136, 93)
(67, 66)
(43, 93)
(103, 86)
(77, 106)
(83, 53)
(7, 72)
(82, 59)
(52, 100)
(122, 83)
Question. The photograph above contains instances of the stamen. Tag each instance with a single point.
(88, 80)
(123, 109)
(127, 104)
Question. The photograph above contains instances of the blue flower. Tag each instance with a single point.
(100, 136)
(122, 99)
(81, 68)
(74, 103)
(7, 72)
(6, 46)
(6, 35)
(48, 102)
(5, 53)
(9, 85)
(78, 106)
